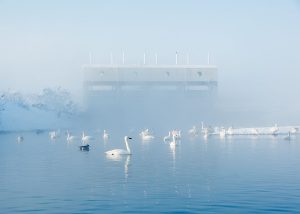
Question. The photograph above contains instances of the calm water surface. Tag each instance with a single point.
(231, 175)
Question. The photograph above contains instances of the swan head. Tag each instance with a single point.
(127, 138)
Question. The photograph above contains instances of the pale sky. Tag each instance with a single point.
(255, 44)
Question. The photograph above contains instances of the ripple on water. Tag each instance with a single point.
(215, 176)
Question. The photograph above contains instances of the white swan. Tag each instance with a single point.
(173, 143)
(121, 151)
(206, 133)
(53, 135)
(288, 137)
(294, 130)
(105, 135)
(20, 139)
(144, 132)
(146, 136)
(255, 131)
(274, 129)
(168, 137)
(222, 132)
(86, 138)
(193, 131)
(70, 138)
(230, 130)
(177, 134)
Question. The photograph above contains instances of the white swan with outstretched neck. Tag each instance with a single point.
(86, 138)
(121, 151)
(173, 143)
(105, 135)
(70, 138)
(288, 137)
(168, 137)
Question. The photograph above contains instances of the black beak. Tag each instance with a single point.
(130, 138)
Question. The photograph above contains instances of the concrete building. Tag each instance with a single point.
(152, 91)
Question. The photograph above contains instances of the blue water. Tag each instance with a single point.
(231, 175)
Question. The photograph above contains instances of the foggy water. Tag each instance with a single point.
(231, 175)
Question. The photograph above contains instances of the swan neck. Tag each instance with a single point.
(127, 146)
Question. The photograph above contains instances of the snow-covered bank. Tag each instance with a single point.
(49, 109)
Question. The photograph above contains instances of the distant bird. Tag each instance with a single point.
(146, 135)
(288, 137)
(168, 137)
(193, 131)
(86, 138)
(177, 134)
(53, 135)
(84, 147)
(274, 129)
(254, 131)
(20, 139)
(39, 131)
(294, 130)
(173, 143)
(144, 132)
(205, 133)
(202, 126)
(222, 132)
(70, 138)
(230, 130)
(121, 151)
(105, 135)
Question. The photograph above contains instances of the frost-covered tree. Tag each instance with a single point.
(58, 100)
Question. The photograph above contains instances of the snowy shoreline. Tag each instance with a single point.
(52, 108)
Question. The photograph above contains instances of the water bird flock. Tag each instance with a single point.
(174, 136)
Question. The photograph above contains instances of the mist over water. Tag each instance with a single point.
(45, 48)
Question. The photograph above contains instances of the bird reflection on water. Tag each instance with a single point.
(120, 158)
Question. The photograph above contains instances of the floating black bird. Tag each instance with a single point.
(84, 148)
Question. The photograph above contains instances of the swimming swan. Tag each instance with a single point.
(274, 129)
(70, 137)
(20, 139)
(86, 138)
(121, 151)
(53, 135)
(173, 143)
(168, 137)
(146, 135)
(193, 131)
(222, 132)
(177, 134)
(105, 135)
(288, 137)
